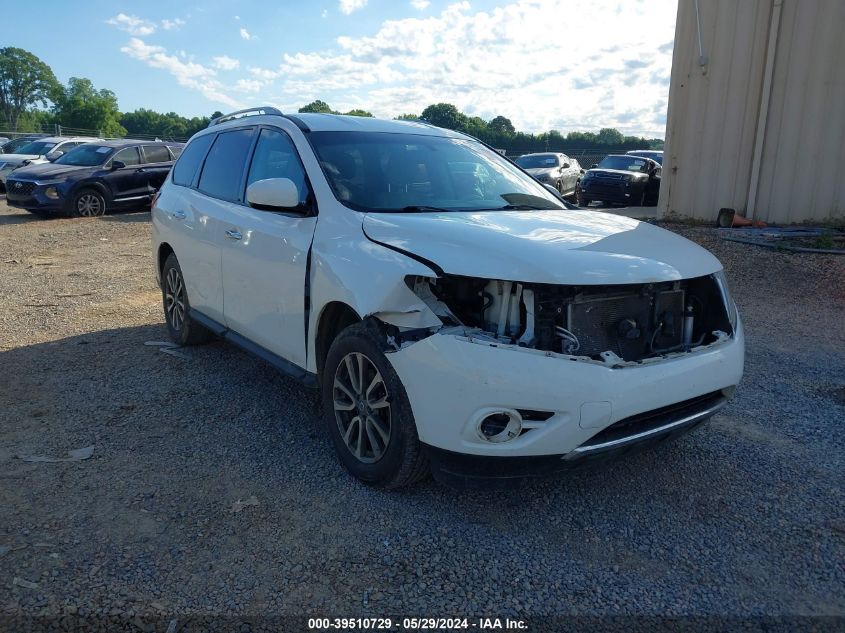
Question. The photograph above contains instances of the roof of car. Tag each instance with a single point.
(126, 142)
(63, 139)
(343, 123)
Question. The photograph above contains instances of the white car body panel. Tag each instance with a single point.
(256, 286)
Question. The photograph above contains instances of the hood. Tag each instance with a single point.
(541, 171)
(614, 173)
(17, 158)
(555, 247)
(43, 171)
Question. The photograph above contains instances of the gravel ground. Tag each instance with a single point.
(212, 489)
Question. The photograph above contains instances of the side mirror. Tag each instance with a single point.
(594, 165)
(117, 164)
(55, 155)
(566, 165)
(273, 194)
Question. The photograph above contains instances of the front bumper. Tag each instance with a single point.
(31, 196)
(452, 382)
(611, 191)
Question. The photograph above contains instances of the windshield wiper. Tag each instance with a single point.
(421, 208)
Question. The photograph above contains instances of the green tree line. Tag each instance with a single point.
(32, 99)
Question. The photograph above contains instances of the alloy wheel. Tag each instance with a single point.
(362, 407)
(174, 299)
(89, 205)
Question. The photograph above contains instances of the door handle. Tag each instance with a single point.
(233, 234)
(178, 215)
(142, 170)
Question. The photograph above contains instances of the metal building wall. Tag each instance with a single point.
(760, 126)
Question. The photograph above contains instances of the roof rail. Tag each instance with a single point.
(242, 113)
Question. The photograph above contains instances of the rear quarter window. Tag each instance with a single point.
(156, 154)
(190, 160)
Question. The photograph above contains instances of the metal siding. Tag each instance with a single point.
(713, 116)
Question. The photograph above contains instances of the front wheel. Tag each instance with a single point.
(367, 412)
(89, 203)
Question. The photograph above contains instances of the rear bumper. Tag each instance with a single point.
(623, 438)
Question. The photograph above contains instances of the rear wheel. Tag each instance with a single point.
(89, 203)
(182, 328)
(367, 412)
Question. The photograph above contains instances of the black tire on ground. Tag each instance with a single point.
(582, 201)
(174, 296)
(394, 462)
(88, 203)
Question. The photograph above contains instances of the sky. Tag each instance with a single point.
(544, 64)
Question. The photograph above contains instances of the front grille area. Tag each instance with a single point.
(650, 420)
(19, 187)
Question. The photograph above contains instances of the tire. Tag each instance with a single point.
(384, 452)
(88, 203)
(642, 199)
(182, 329)
(582, 201)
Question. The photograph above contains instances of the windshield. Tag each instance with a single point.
(377, 171)
(657, 157)
(85, 156)
(625, 163)
(537, 161)
(36, 147)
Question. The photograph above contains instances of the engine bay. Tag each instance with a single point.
(630, 322)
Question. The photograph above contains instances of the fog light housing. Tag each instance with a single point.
(501, 425)
(52, 193)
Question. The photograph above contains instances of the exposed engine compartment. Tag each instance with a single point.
(632, 322)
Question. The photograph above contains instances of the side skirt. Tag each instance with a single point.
(282, 364)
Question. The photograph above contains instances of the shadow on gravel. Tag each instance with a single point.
(23, 217)
(126, 217)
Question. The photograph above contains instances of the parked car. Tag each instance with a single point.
(557, 170)
(481, 332)
(654, 154)
(10, 147)
(36, 152)
(621, 179)
(3, 140)
(93, 178)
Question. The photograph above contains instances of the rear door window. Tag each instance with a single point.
(224, 166)
(190, 160)
(156, 154)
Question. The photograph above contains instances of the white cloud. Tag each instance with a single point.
(172, 25)
(348, 6)
(187, 73)
(246, 34)
(505, 61)
(263, 73)
(224, 62)
(324, 13)
(132, 24)
(420, 5)
(248, 85)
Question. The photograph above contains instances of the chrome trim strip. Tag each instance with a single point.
(633, 439)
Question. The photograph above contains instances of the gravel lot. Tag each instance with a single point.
(213, 490)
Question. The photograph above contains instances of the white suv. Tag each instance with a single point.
(461, 320)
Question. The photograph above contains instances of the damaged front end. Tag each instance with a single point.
(615, 325)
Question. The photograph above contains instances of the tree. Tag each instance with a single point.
(358, 112)
(444, 115)
(320, 107)
(407, 117)
(25, 81)
(501, 125)
(610, 136)
(83, 106)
